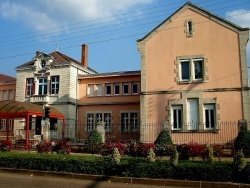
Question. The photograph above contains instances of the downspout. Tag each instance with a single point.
(76, 117)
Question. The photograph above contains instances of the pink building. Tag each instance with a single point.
(113, 98)
(194, 77)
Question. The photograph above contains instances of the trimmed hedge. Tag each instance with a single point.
(128, 167)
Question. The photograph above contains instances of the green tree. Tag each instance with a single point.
(94, 141)
(164, 143)
(242, 142)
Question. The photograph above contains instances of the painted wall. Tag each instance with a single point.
(114, 104)
(218, 43)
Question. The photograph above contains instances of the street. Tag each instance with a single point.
(16, 180)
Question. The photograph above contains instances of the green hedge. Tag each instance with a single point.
(129, 167)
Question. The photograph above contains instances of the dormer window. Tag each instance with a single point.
(43, 63)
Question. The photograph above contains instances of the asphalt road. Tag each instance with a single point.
(16, 180)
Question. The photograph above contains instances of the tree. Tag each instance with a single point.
(242, 142)
(164, 143)
(93, 142)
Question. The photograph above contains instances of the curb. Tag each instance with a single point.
(131, 180)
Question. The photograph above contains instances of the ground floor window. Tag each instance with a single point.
(94, 118)
(177, 117)
(129, 121)
(209, 116)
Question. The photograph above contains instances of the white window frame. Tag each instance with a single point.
(129, 122)
(55, 85)
(90, 121)
(211, 109)
(29, 86)
(135, 84)
(123, 88)
(108, 89)
(44, 86)
(117, 86)
(99, 89)
(91, 90)
(98, 116)
(192, 69)
(179, 125)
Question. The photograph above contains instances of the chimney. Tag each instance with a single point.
(85, 55)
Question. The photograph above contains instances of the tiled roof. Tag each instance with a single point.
(5, 79)
(58, 58)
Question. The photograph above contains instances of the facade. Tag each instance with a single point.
(52, 79)
(194, 77)
(112, 98)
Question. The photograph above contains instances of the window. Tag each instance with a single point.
(43, 63)
(198, 69)
(98, 117)
(107, 120)
(99, 90)
(29, 86)
(125, 120)
(129, 121)
(134, 88)
(134, 121)
(90, 90)
(42, 86)
(108, 89)
(209, 113)
(94, 118)
(189, 28)
(191, 70)
(90, 122)
(54, 85)
(125, 89)
(185, 70)
(117, 89)
(3, 125)
(177, 117)
(11, 124)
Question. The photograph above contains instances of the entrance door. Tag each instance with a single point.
(192, 114)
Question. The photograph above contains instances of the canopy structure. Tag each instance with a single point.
(15, 109)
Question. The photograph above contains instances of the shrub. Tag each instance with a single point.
(116, 157)
(239, 161)
(242, 141)
(162, 142)
(195, 149)
(208, 155)
(151, 155)
(183, 151)
(174, 159)
(44, 147)
(94, 141)
(108, 147)
(5, 145)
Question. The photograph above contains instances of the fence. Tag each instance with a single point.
(223, 132)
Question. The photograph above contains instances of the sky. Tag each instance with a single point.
(110, 28)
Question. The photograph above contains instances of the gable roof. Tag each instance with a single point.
(58, 58)
(5, 79)
(200, 10)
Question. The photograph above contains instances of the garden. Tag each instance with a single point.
(161, 159)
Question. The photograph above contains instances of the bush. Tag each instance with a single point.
(151, 155)
(93, 142)
(242, 141)
(108, 147)
(5, 145)
(129, 167)
(162, 143)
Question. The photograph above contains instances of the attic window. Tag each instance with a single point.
(43, 63)
(189, 28)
